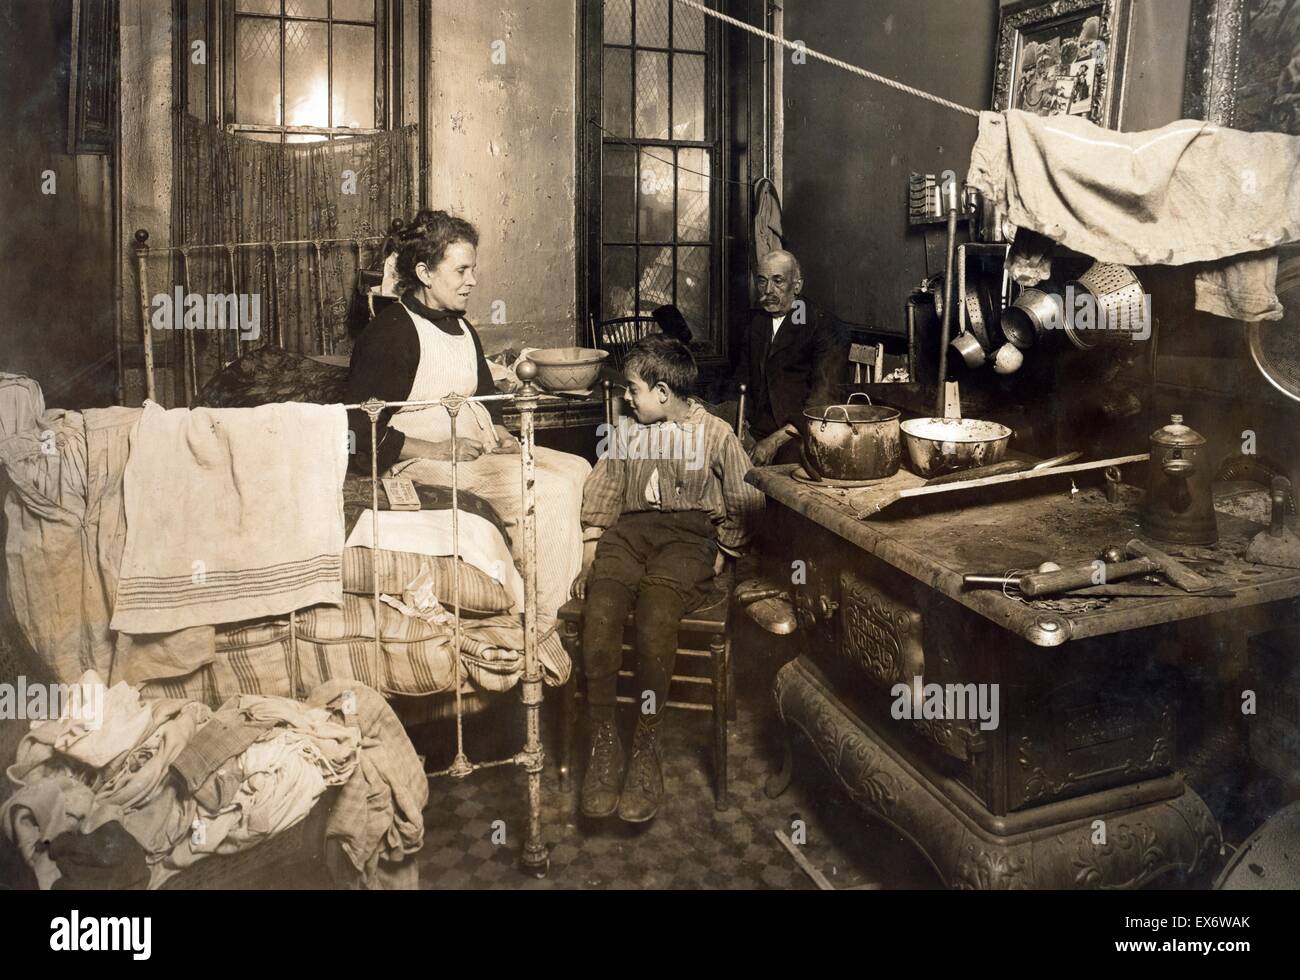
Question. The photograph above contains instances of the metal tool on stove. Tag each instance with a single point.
(1171, 568)
(1142, 590)
(1144, 559)
(1035, 584)
(1278, 545)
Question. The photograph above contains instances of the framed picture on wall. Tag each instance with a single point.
(92, 76)
(1063, 58)
(1243, 65)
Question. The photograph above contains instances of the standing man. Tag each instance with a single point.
(790, 358)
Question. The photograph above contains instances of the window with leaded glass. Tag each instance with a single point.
(299, 71)
(658, 124)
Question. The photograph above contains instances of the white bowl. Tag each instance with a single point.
(567, 368)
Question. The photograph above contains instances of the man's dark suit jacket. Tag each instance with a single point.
(799, 367)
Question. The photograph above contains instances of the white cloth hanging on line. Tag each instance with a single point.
(1187, 192)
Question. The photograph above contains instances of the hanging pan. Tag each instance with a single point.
(1275, 344)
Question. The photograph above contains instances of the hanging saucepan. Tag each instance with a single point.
(1273, 345)
(972, 342)
(1033, 312)
(851, 442)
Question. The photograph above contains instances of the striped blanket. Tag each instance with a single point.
(231, 514)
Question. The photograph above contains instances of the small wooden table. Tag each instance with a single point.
(556, 412)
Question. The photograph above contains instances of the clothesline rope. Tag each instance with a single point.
(854, 69)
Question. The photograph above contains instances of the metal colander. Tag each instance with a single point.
(1275, 344)
(1121, 309)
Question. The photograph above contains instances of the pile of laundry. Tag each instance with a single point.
(136, 790)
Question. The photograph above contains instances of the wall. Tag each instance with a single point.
(850, 142)
(56, 270)
(502, 154)
(1157, 57)
(500, 144)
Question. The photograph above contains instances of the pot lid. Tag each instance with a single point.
(1177, 434)
(854, 412)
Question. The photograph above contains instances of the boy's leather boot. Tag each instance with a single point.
(643, 787)
(604, 774)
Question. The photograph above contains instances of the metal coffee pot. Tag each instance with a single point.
(1179, 505)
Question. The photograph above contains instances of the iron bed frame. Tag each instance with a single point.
(143, 250)
(534, 858)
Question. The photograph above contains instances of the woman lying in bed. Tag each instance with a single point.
(422, 349)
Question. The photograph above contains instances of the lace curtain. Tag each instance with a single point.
(235, 189)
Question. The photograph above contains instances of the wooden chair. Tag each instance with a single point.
(870, 357)
(617, 335)
(704, 666)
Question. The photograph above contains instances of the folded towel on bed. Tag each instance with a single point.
(231, 514)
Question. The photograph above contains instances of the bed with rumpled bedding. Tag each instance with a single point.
(65, 532)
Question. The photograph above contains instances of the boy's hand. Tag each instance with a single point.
(578, 589)
(720, 562)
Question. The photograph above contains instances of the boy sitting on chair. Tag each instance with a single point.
(665, 501)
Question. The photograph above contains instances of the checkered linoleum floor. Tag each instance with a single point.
(690, 845)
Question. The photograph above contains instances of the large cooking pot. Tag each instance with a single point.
(851, 442)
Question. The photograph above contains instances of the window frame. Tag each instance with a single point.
(384, 101)
(592, 140)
